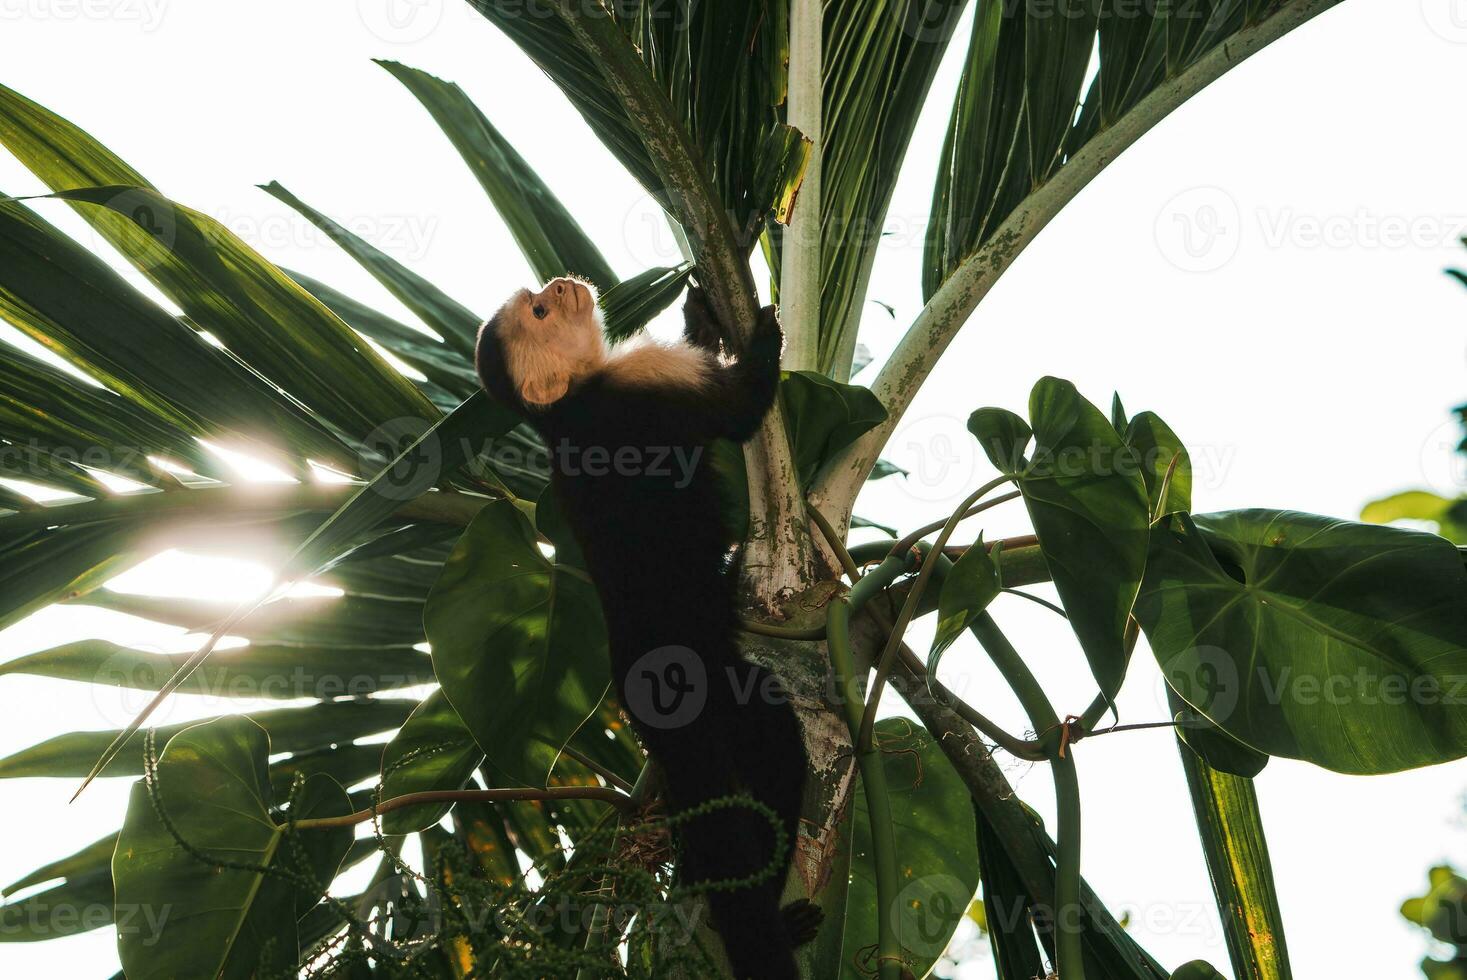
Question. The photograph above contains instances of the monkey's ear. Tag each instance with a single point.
(545, 389)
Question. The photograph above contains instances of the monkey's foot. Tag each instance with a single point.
(802, 920)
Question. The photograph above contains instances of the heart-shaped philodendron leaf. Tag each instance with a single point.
(234, 913)
(1310, 638)
(1156, 446)
(825, 417)
(432, 751)
(971, 584)
(518, 644)
(1088, 503)
(933, 815)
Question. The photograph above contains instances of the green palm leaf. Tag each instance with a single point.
(552, 242)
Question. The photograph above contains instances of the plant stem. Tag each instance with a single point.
(1068, 912)
(1069, 953)
(1018, 747)
(619, 800)
(1101, 704)
(926, 529)
(596, 767)
(799, 281)
(904, 618)
(601, 914)
(781, 632)
(836, 545)
(873, 769)
(240, 505)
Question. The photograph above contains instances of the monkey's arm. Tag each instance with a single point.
(700, 326)
(747, 387)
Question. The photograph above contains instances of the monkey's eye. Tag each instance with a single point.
(540, 311)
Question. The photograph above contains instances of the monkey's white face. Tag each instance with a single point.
(551, 339)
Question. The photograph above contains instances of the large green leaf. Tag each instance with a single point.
(631, 304)
(824, 417)
(74, 304)
(551, 240)
(80, 902)
(1059, 39)
(967, 589)
(1019, 118)
(44, 566)
(984, 168)
(324, 620)
(418, 458)
(518, 644)
(1157, 447)
(1088, 504)
(257, 311)
(1008, 910)
(45, 409)
(219, 282)
(880, 60)
(718, 70)
(454, 322)
(432, 751)
(1230, 827)
(446, 368)
(256, 671)
(236, 917)
(1304, 637)
(933, 814)
(291, 730)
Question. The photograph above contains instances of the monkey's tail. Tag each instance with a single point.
(767, 760)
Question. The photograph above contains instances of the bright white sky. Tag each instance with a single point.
(1264, 270)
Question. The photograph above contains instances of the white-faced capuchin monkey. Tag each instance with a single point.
(628, 430)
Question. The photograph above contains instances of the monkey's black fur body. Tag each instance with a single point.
(655, 545)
